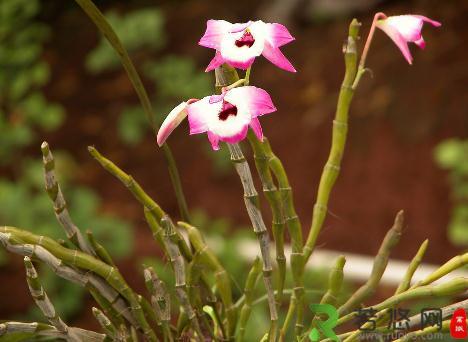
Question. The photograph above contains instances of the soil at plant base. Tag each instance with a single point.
(397, 118)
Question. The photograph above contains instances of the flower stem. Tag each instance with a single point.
(340, 128)
(106, 29)
(273, 197)
(247, 76)
(370, 36)
(253, 209)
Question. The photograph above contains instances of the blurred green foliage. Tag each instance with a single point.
(174, 78)
(452, 155)
(24, 111)
(22, 105)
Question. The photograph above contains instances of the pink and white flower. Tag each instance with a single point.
(239, 44)
(404, 29)
(227, 117)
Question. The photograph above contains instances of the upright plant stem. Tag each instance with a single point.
(340, 129)
(413, 266)
(103, 25)
(160, 300)
(249, 288)
(380, 264)
(60, 205)
(207, 259)
(253, 209)
(178, 266)
(296, 304)
(41, 298)
(273, 197)
(280, 201)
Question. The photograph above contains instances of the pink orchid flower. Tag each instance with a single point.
(227, 117)
(404, 29)
(239, 44)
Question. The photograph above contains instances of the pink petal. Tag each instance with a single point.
(215, 29)
(430, 21)
(197, 114)
(236, 137)
(173, 119)
(244, 65)
(258, 100)
(421, 43)
(257, 128)
(217, 61)
(278, 35)
(239, 27)
(397, 39)
(275, 56)
(214, 140)
(408, 26)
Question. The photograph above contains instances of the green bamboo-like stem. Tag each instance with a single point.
(249, 288)
(105, 323)
(194, 273)
(84, 261)
(414, 321)
(419, 334)
(40, 297)
(413, 266)
(48, 331)
(103, 293)
(252, 205)
(450, 288)
(206, 257)
(381, 316)
(108, 308)
(447, 312)
(296, 304)
(335, 281)
(451, 265)
(178, 266)
(148, 311)
(273, 197)
(60, 205)
(160, 300)
(340, 128)
(139, 194)
(106, 29)
(289, 317)
(380, 264)
(101, 252)
(226, 75)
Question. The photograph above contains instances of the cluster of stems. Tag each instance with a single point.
(204, 307)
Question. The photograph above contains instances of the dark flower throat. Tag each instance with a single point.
(227, 110)
(246, 40)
